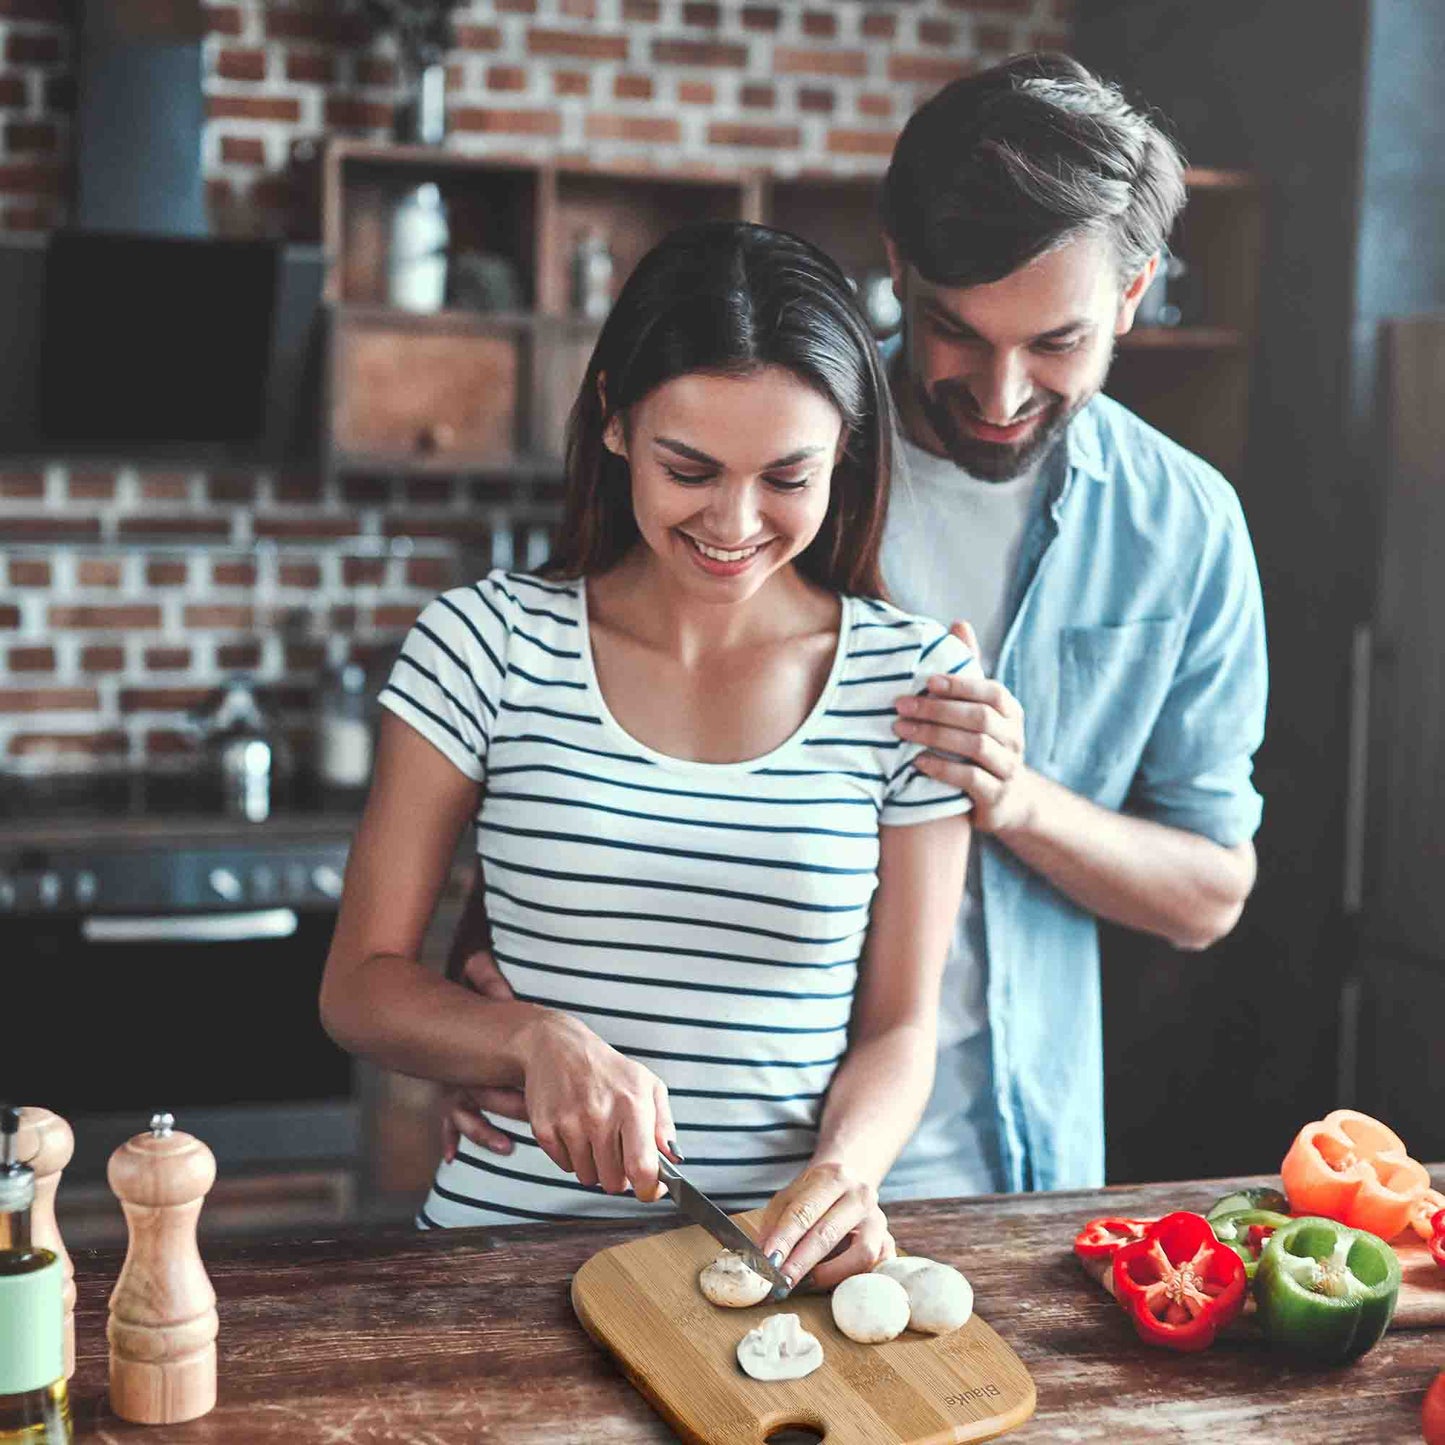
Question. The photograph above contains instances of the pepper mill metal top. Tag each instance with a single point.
(161, 1165)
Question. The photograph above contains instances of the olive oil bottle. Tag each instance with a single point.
(34, 1402)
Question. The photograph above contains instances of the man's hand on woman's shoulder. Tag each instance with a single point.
(973, 727)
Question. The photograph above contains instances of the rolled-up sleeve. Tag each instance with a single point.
(1197, 768)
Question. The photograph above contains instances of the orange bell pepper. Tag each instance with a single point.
(1350, 1167)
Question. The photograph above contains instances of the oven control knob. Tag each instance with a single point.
(85, 888)
(225, 884)
(48, 888)
(327, 881)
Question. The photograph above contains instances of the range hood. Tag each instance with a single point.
(140, 116)
(148, 337)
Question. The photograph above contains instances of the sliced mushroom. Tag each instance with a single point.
(779, 1349)
(871, 1308)
(729, 1281)
(940, 1299)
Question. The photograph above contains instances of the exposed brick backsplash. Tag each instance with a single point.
(128, 594)
(117, 622)
(528, 75)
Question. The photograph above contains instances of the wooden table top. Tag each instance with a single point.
(468, 1335)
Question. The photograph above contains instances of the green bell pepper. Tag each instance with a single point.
(1325, 1291)
(1246, 1232)
(1258, 1197)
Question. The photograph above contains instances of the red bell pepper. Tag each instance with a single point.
(1437, 1240)
(1432, 1413)
(1180, 1284)
(1099, 1238)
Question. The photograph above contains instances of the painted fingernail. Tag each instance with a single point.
(675, 1151)
(776, 1258)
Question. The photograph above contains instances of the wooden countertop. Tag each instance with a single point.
(468, 1335)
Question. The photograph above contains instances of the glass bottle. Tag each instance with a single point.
(344, 731)
(420, 234)
(592, 273)
(34, 1401)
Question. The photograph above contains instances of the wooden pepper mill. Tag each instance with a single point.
(163, 1320)
(45, 1142)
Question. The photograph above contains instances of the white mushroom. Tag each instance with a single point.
(940, 1299)
(729, 1281)
(871, 1308)
(901, 1266)
(779, 1349)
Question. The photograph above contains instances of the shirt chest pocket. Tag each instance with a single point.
(1113, 679)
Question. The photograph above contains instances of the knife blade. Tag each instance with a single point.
(701, 1210)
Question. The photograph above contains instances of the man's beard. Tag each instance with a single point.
(998, 461)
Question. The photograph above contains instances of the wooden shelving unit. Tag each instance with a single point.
(463, 390)
(1192, 381)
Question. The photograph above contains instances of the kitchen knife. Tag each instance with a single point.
(701, 1210)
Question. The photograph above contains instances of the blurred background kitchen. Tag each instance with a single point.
(297, 293)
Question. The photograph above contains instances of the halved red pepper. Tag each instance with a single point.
(1099, 1238)
(1437, 1240)
(1180, 1284)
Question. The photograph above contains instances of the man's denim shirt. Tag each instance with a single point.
(1137, 649)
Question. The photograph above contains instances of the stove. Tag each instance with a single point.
(170, 956)
(146, 844)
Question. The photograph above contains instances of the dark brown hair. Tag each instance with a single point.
(1002, 166)
(728, 298)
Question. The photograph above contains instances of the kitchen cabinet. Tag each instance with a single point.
(1216, 1057)
(1395, 992)
(468, 390)
(468, 1334)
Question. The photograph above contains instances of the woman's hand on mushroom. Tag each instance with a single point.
(593, 1111)
(825, 1209)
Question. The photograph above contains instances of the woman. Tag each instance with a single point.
(718, 888)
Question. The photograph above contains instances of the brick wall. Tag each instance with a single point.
(128, 593)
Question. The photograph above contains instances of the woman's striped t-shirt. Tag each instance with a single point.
(706, 919)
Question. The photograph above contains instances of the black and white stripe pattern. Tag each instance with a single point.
(706, 919)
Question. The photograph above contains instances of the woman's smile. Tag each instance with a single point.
(722, 561)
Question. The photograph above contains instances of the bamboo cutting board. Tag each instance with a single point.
(641, 1302)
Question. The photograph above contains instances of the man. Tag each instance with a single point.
(1114, 597)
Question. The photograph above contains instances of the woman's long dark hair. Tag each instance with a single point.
(727, 297)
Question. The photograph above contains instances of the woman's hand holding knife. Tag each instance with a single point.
(593, 1112)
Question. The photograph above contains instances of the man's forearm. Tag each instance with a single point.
(1145, 875)
(474, 930)
(876, 1100)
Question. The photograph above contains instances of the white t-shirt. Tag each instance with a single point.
(950, 551)
(705, 919)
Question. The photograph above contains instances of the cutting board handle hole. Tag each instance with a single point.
(794, 1435)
